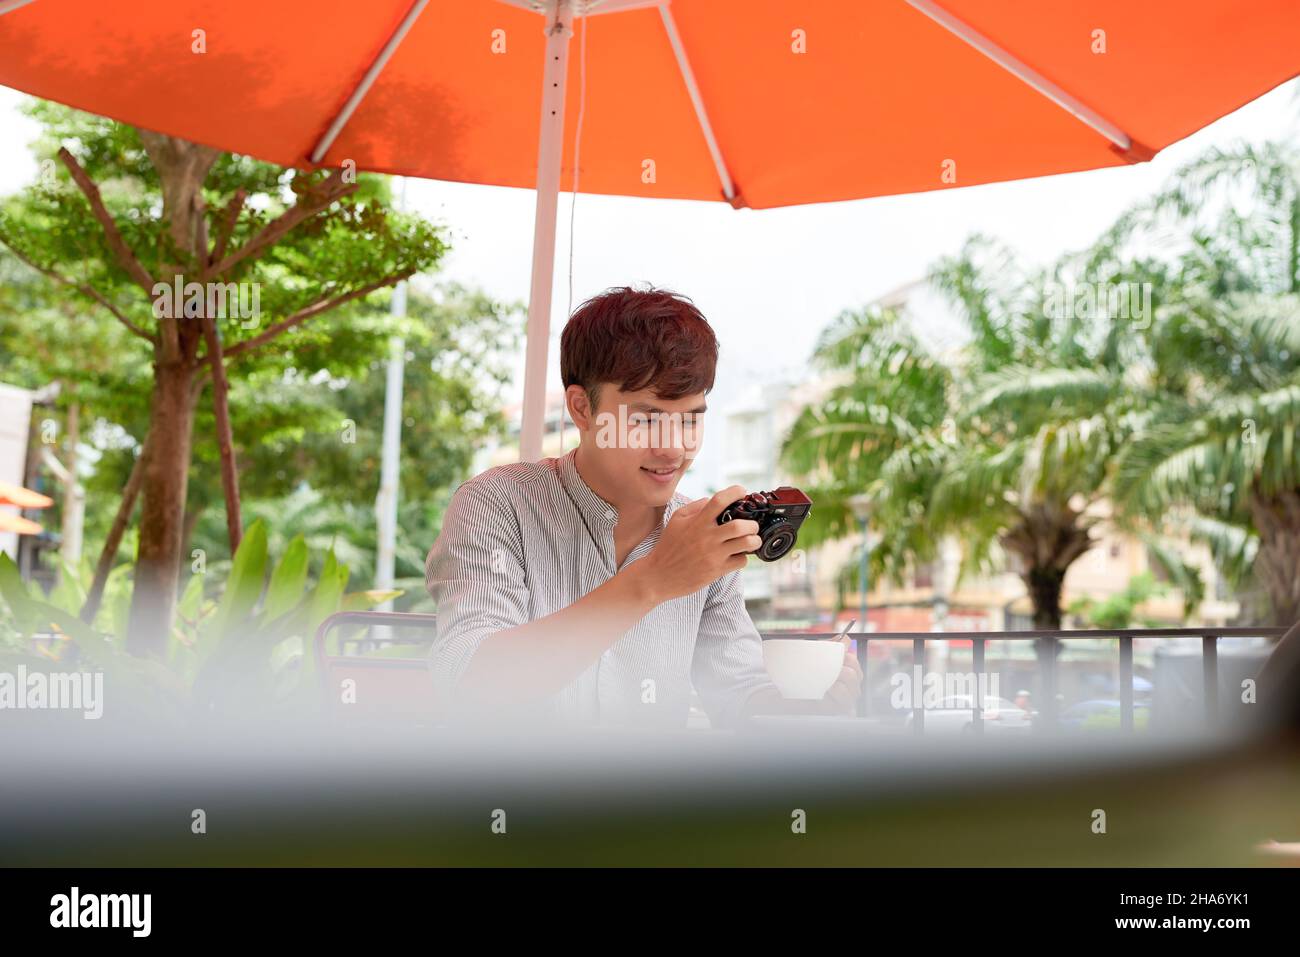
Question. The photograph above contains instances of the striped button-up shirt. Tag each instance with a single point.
(520, 542)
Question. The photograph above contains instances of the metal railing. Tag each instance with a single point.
(1049, 643)
(1048, 646)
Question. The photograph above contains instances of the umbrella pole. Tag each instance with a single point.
(550, 152)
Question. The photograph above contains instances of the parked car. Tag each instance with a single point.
(1101, 713)
(956, 714)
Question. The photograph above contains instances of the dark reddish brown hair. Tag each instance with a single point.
(655, 339)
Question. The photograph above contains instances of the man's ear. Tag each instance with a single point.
(579, 405)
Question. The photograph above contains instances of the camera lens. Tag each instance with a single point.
(775, 544)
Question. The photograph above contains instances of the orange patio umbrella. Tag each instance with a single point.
(758, 103)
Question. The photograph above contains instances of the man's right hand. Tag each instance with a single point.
(694, 550)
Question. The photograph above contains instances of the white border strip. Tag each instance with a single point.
(363, 87)
(9, 6)
(701, 114)
(1023, 72)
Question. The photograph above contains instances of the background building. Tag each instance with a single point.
(15, 417)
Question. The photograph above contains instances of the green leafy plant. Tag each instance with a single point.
(254, 643)
(1120, 610)
(243, 651)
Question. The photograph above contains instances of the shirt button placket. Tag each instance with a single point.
(611, 519)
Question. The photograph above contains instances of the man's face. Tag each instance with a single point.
(639, 445)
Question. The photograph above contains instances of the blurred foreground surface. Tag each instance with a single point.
(84, 795)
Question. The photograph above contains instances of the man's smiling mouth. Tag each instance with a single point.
(663, 475)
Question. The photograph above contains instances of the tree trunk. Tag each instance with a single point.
(182, 168)
(1277, 563)
(115, 532)
(225, 435)
(193, 512)
(220, 400)
(163, 488)
(1047, 540)
(1044, 586)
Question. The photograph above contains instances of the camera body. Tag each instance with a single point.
(779, 514)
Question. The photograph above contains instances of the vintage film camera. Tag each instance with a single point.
(779, 514)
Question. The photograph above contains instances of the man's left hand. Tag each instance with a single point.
(844, 694)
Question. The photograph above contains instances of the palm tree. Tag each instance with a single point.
(887, 401)
(1006, 443)
(1222, 454)
(1041, 413)
(1029, 473)
(1218, 453)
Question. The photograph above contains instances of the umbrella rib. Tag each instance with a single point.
(367, 81)
(594, 8)
(701, 114)
(583, 8)
(9, 6)
(1023, 72)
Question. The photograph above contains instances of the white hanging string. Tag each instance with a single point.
(577, 147)
(573, 199)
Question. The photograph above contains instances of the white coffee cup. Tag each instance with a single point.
(803, 668)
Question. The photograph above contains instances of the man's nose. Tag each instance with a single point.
(666, 440)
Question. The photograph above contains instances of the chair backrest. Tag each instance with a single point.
(376, 688)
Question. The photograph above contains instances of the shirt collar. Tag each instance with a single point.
(594, 508)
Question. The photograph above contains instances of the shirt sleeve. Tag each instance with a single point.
(728, 664)
(475, 573)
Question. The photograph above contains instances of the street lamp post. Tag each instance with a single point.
(861, 506)
(390, 462)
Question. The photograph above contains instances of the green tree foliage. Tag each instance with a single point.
(1176, 419)
(119, 217)
(1217, 456)
(115, 209)
(1005, 442)
(304, 478)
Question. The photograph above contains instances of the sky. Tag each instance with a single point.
(768, 280)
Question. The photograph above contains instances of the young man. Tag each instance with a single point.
(583, 587)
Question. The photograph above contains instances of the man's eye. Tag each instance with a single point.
(638, 419)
